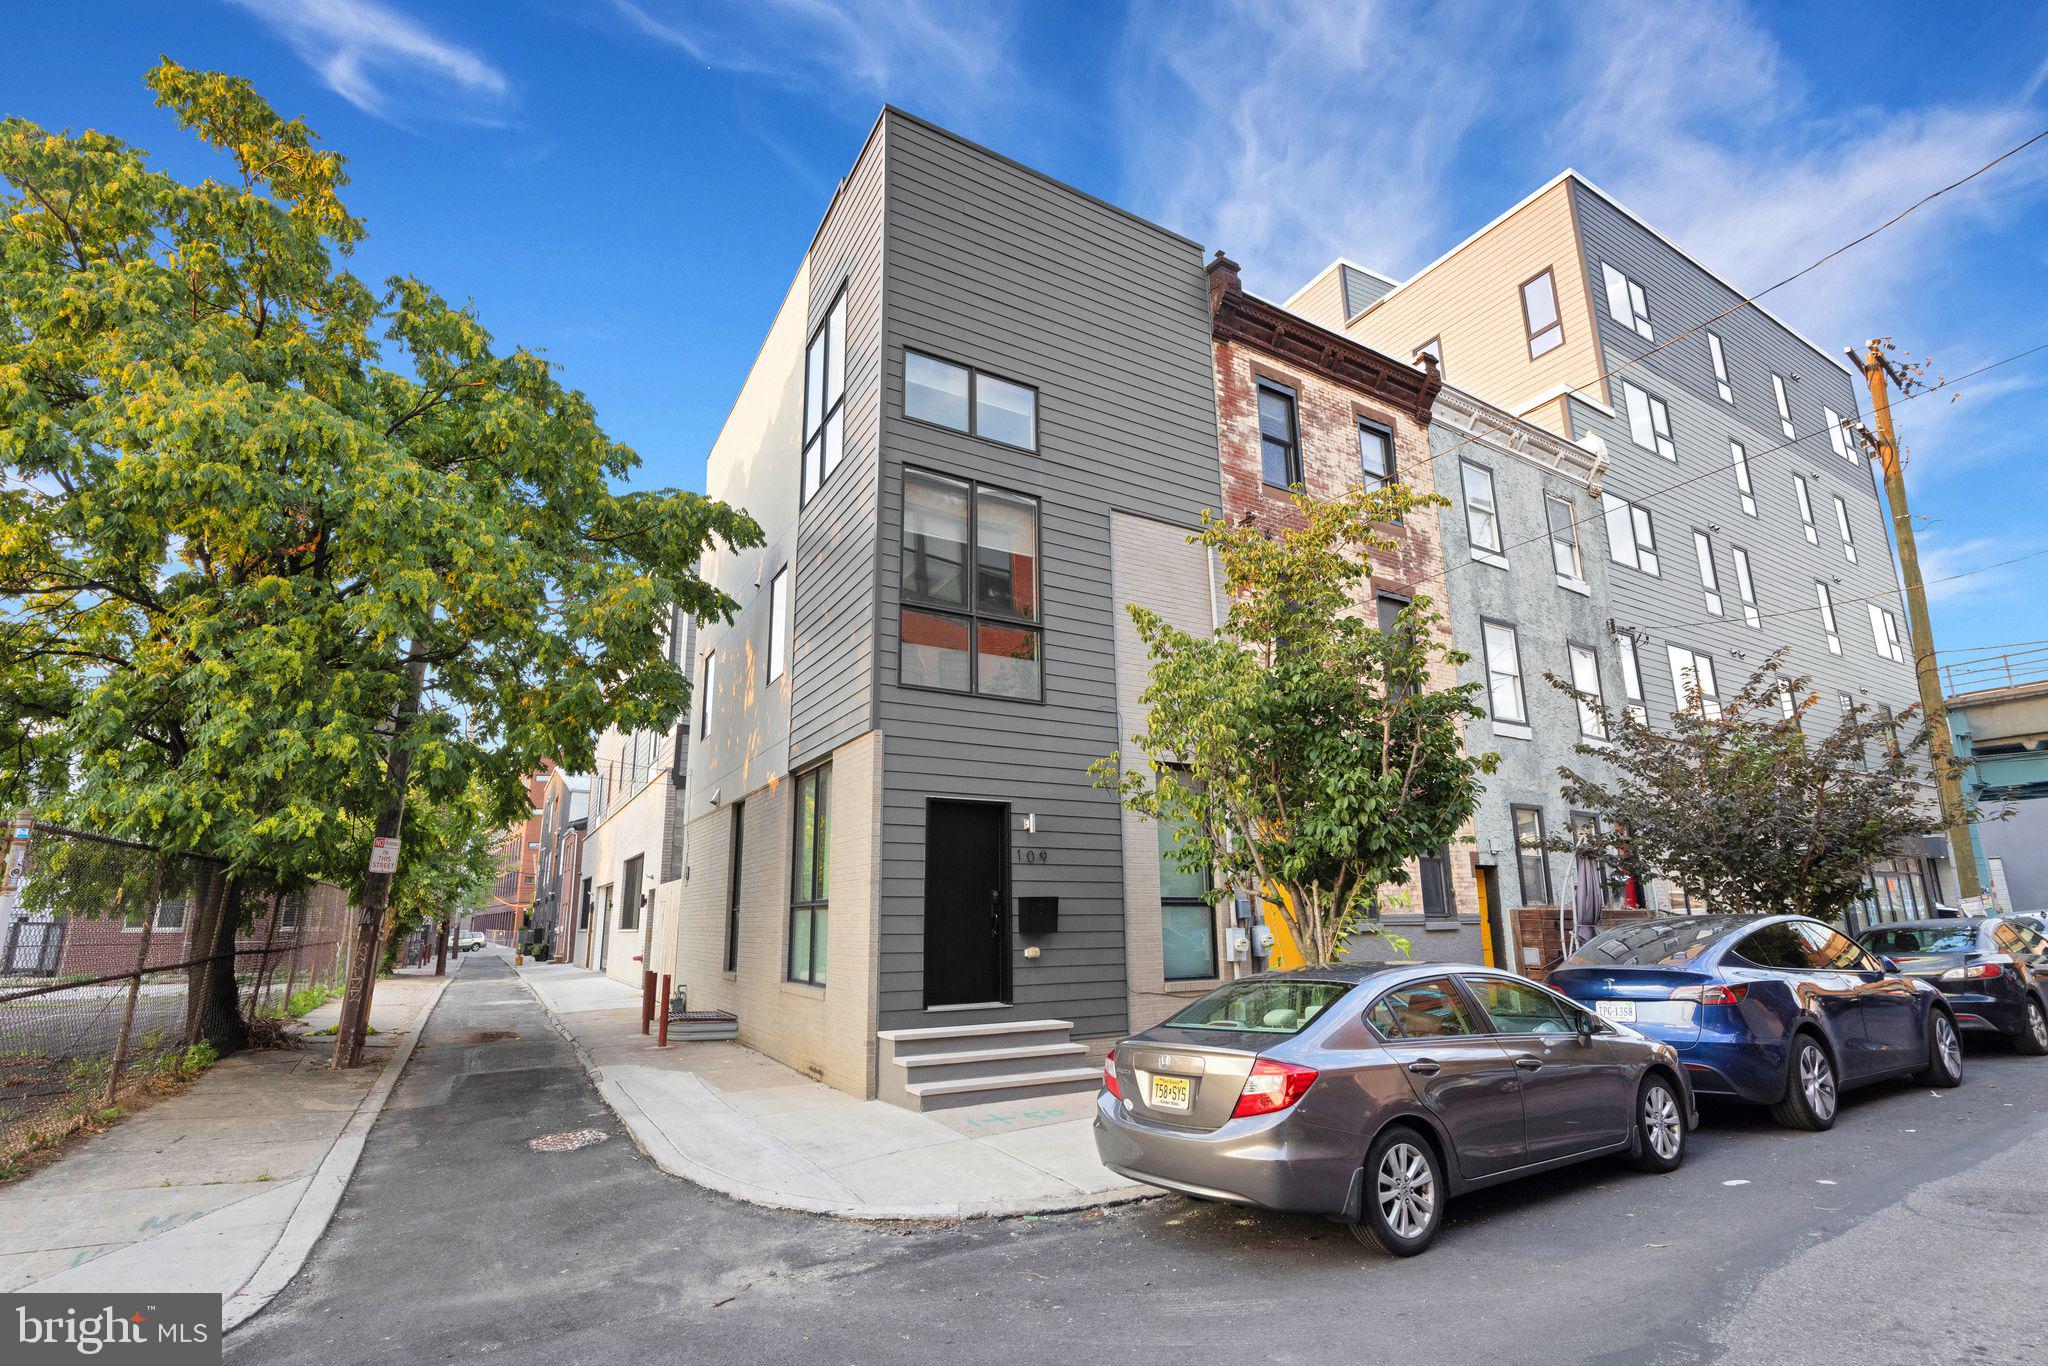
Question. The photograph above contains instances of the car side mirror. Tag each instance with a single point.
(1887, 964)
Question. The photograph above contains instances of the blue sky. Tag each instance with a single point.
(628, 184)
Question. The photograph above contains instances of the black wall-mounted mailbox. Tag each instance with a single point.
(1038, 914)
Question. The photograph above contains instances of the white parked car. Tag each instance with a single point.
(470, 941)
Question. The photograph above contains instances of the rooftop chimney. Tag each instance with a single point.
(1222, 279)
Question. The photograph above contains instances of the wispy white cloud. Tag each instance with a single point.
(385, 63)
(1942, 560)
(949, 62)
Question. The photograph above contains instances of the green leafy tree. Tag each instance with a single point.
(1302, 752)
(282, 549)
(1766, 803)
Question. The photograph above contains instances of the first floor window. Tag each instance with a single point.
(808, 878)
(629, 893)
(709, 671)
(1692, 680)
(1631, 535)
(170, 915)
(1482, 518)
(1433, 871)
(1586, 681)
(1531, 859)
(1187, 924)
(583, 907)
(1504, 675)
(778, 623)
(732, 886)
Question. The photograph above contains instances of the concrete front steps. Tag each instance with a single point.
(946, 1066)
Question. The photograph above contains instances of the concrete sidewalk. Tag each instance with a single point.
(221, 1188)
(726, 1117)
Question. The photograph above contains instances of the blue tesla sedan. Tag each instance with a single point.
(1774, 1010)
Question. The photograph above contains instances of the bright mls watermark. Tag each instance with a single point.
(168, 1330)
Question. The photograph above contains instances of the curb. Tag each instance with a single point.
(310, 1217)
(655, 1145)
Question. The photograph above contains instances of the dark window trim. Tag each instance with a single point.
(1521, 872)
(972, 613)
(1529, 332)
(974, 376)
(737, 850)
(1599, 684)
(634, 886)
(707, 680)
(1500, 529)
(824, 414)
(1364, 420)
(1296, 466)
(823, 774)
(1486, 663)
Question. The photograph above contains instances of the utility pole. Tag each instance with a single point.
(1962, 852)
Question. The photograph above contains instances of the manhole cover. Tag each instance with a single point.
(568, 1141)
(489, 1036)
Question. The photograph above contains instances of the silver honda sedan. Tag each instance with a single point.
(1373, 1092)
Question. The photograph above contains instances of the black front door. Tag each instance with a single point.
(966, 903)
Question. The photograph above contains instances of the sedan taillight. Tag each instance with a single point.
(1976, 972)
(1712, 996)
(1109, 1076)
(1272, 1086)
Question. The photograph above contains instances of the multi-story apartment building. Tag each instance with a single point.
(1737, 515)
(565, 812)
(981, 423)
(518, 868)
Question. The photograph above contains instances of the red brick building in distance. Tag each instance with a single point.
(518, 869)
(1297, 404)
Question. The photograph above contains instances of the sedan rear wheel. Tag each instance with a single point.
(1404, 1193)
(1944, 1051)
(2033, 1040)
(1660, 1128)
(1813, 1092)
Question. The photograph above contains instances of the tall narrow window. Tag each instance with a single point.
(1746, 586)
(1482, 519)
(1692, 680)
(707, 689)
(1827, 616)
(1710, 578)
(1279, 437)
(734, 862)
(1532, 861)
(1805, 498)
(1838, 440)
(1884, 634)
(970, 589)
(778, 623)
(1627, 304)
(1849, 711)
(1433, 872)
(1649, 421)
(1586, 681)
(809, 870)
(1842, 526)
(1631, 678)
(632, 890)
(825, 399)
(1375, 455)
(1784, 404)
(1720, 360)
(1564, 539)
(1631, 535)
(1187, 924)
(1539, 315)
(1744, 490)
(1504, 678)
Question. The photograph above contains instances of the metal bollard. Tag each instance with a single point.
(661, 1040)
(646, 999)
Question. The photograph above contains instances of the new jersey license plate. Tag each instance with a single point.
(1171, 1093)
(1621, 1012)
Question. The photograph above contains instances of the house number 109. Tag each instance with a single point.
(1030, 856)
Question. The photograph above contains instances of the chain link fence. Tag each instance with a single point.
(111, 959)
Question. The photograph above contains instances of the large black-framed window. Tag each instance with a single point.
(809, 868)
(1187, 922)
(732, 886)
(583, 907)
(1532, 863)
(629, 892)
(825, 399)
(948, 394)
(1433, 872)
(971, 618)
(1279, 436)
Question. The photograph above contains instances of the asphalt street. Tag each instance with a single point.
(1917, 1230)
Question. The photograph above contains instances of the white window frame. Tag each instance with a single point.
(1784, 405)
(1720, 360)
(1842, 526)
(1745, 489)
(1884, 634)
(1627, 302)
(1693, 681)
(1585, 667)
(1631, 678)
(1482, 502)
(1745, 586)
(1827, 616)
(1837, 438)
(778, 623)
(1649, 421)
(1805, 500)
(1572, 573)
(1710, 578)
(1498, 638)
(1629, 530)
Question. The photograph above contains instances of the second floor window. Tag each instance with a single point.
(809, 879)
(1375, 455)
(971, 620)
(1279, 437)
(825, 399)
(1649, 422)
(1539, 315)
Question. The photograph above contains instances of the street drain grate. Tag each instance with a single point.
(567, 1141)
(489, 1036)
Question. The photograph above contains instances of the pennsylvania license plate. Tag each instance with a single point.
(1171, 1093)
(1621, 1012)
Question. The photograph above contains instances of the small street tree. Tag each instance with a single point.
(1766, 803)
(1302, 752)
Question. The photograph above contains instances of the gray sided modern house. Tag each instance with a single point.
(1738, 516)
(982, 420)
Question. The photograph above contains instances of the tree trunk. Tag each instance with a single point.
(202, 910)
(441, 951)
(220, 1000)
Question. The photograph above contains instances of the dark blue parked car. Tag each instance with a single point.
(1993, 971)
(1775, 1010)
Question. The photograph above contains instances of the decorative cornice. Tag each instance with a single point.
(1477, 420)
(1251, 321)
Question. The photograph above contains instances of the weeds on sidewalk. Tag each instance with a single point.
(68, 1095)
